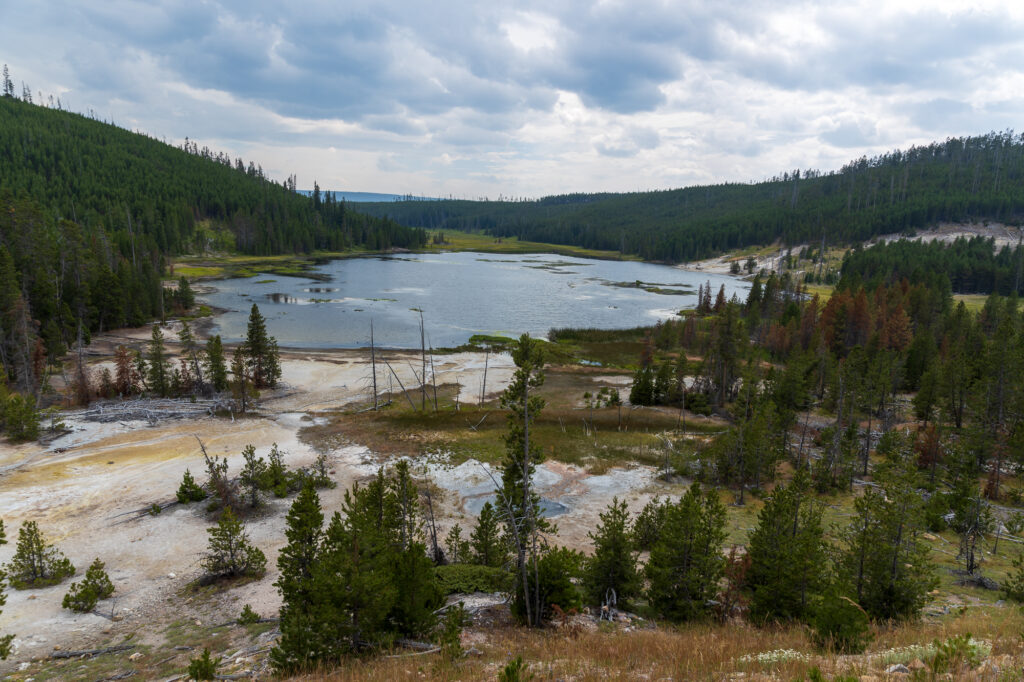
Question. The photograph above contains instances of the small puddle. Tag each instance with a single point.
(548, 507)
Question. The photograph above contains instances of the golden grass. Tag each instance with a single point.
(474, 241)
(974, 302)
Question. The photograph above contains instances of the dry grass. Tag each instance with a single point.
(695, 652)
(564, 430)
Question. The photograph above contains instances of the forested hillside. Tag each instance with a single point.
(959, 179)
(965, 266)
(89, 214)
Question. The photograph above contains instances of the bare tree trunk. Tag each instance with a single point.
(423, 373)
(373, 366)
(483, 387)
(404, 392)
(433, 377)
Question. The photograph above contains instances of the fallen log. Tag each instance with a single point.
(92, 652)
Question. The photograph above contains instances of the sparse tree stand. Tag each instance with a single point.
(518, 503)
(686, 561)
(36, 563)
(787, 554)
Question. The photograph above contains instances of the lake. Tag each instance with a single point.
(460, 294)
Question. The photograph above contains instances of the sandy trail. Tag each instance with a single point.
(85, 487)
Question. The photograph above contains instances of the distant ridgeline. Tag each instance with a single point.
(959, 179)
(90, 212)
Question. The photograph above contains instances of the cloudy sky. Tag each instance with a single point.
(474, 98)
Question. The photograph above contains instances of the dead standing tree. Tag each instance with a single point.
(524, 523)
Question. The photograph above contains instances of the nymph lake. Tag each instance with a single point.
(460, 294)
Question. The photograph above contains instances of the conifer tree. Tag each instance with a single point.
(230, 554)
(613, 566)
(241, 384)
(456, 546)
(5, 640)
(191, 357)
(301, 619)
(787, 554)
(184, 297)
(686, 562)
(189, 490)
(261, 352)
(489, 549)
(36, 563)
(252, 476)
(215, 364)
(159, 365)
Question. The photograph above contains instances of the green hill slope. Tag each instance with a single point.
(89, 214)
(959, 179)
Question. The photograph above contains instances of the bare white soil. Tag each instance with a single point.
(86, 489)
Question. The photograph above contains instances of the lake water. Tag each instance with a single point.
(460, 294)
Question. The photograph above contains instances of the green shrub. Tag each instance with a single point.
(248, 617)
(204, 667)
(957, 652)
(1013, 586)
(515, 671)
(840, 625)
(468, 578)
(82, 597)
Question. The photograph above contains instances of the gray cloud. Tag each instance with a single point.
(555, 96)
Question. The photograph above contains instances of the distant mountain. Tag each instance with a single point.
(959, 179)
(360, 197)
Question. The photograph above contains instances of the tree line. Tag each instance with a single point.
(966, 265)
(959, 179)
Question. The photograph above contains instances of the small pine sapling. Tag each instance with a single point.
(189, 490)
(204, 667)
(450, 635)
(459, 550)
(82, 597)
(276, 476)
(229, 553)
(252, 476)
